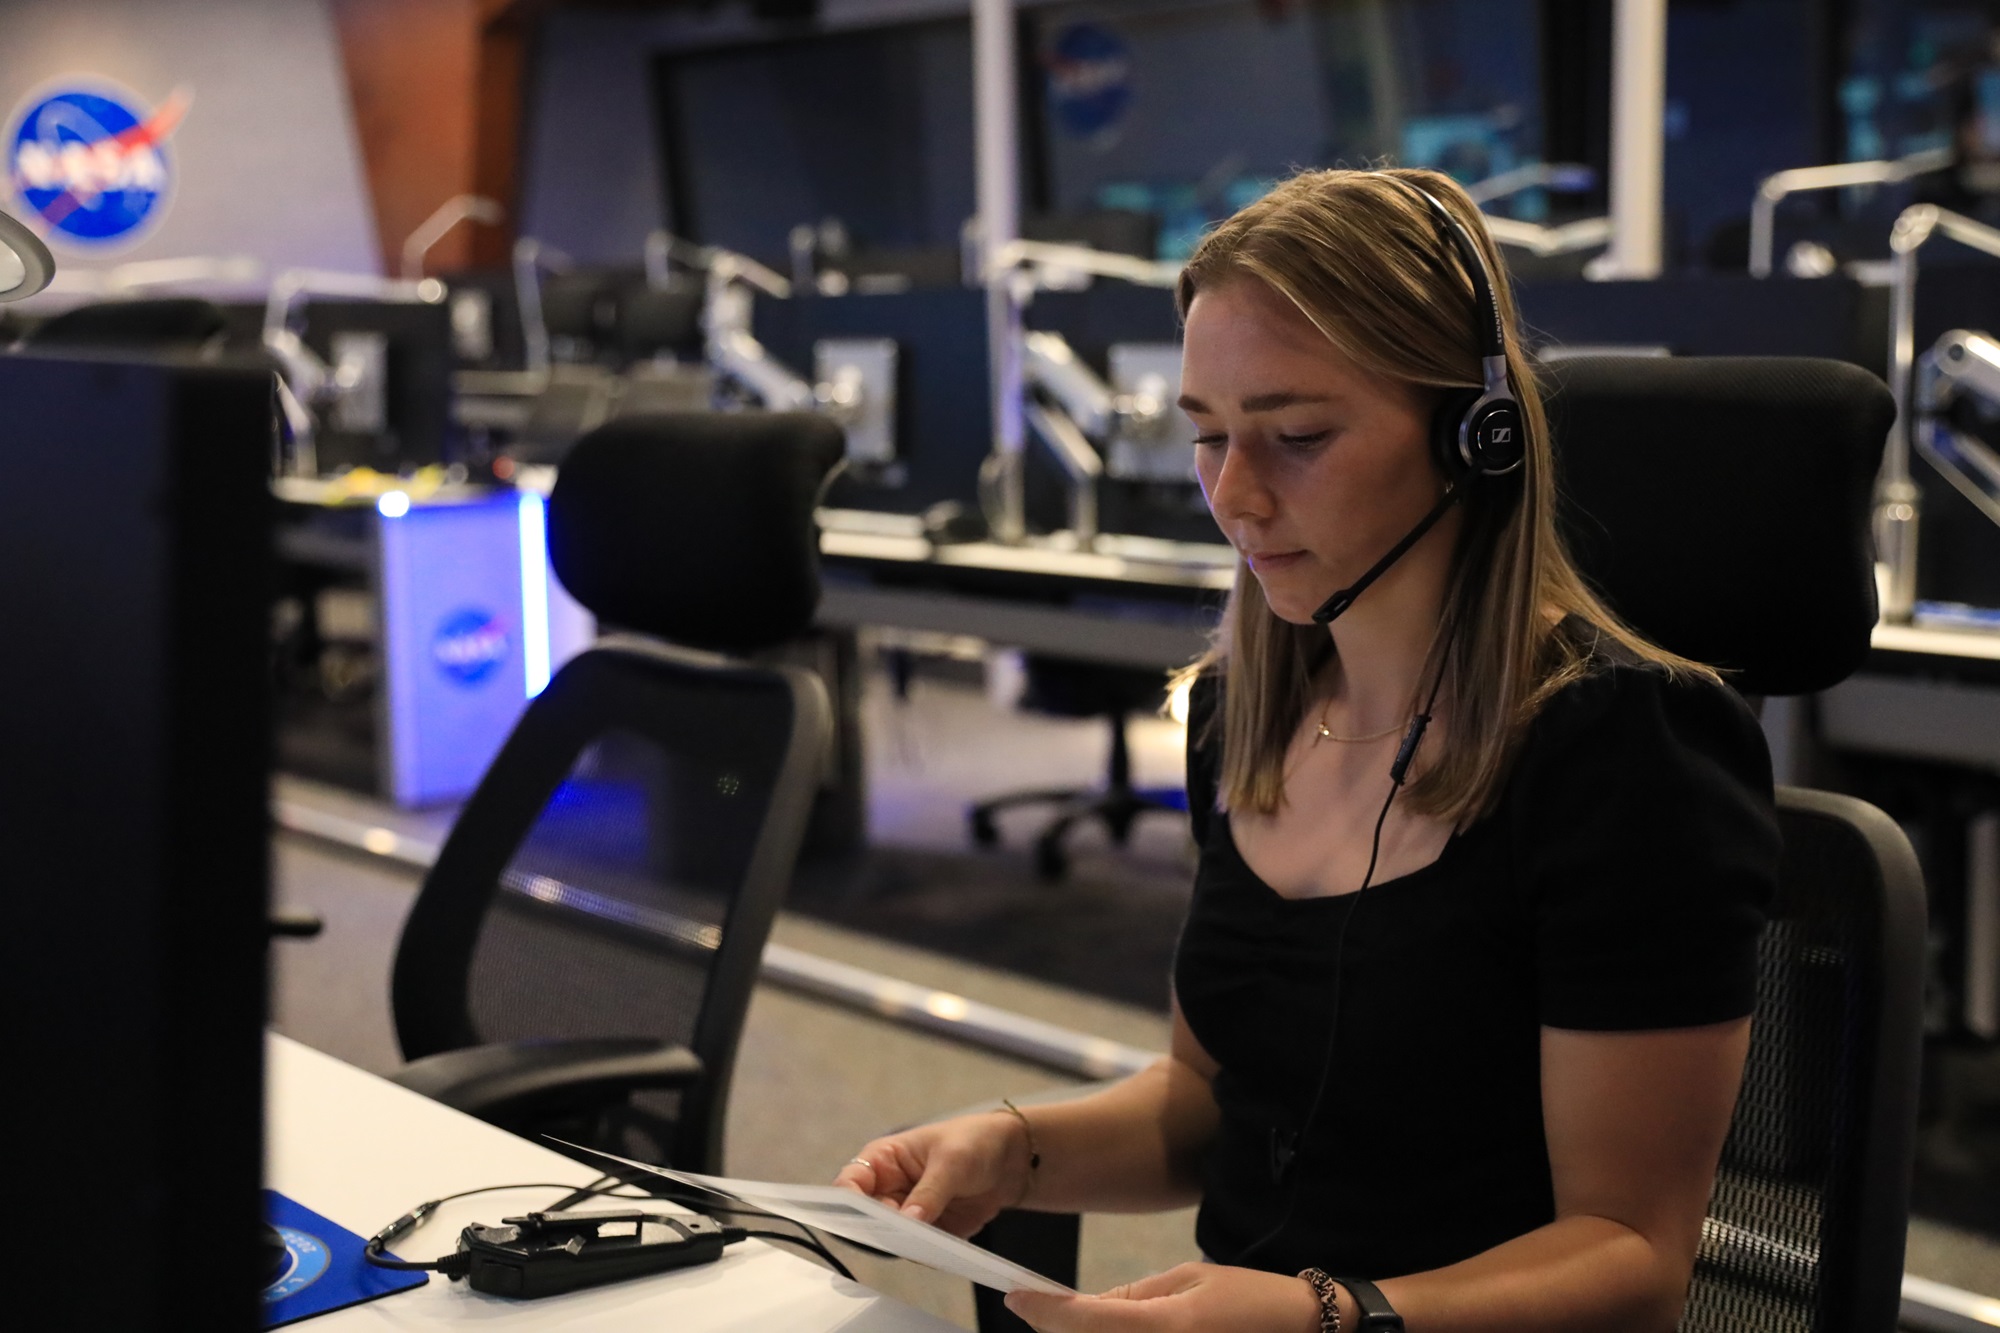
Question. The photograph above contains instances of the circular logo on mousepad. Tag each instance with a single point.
(309, 1258)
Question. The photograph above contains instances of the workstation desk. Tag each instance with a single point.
(1123, 601)
(1917, 730)
(361, 1151)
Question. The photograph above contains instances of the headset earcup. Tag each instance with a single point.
(1445, 421)
(1497, 438)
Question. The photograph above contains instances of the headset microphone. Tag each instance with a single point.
(1331, 609)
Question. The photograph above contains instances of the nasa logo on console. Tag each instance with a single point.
(90, 161)
(470, 645)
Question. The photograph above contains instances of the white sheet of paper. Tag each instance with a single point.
(859, 1218)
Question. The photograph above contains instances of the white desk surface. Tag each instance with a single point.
(362, 1151)
(1937, 642)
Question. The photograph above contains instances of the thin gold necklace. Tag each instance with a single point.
(1326, 735)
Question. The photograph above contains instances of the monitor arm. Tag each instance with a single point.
(1898, 502)
(1572, 177)
(734, 283)
(459, 208)
(1065, 402)
(1774, 189)
(1069, 405)
(1960, 366)
(734, 350)
(307, 383)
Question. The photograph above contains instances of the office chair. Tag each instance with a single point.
(1066, 688)
(581, 956)
(1722, 506)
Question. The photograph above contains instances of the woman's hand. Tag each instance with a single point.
(957, 1173)
(1189, 1298)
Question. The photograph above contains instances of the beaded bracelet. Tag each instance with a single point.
(1034, 1157)
(1329, 1298)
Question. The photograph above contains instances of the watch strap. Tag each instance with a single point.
(1376, 1312)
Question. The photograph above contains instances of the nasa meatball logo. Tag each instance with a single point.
(470, 645)
(91, 162)
(1089, 81)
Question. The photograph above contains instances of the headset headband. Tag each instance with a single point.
(1488, 329)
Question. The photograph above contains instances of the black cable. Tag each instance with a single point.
(454, 1264)
(808, 1242)
(1283, 1154)
(806, 1237)
(580, 1193)
(408, 1222)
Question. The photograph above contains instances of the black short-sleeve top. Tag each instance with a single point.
(1618, 884)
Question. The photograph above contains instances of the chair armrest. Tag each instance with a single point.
(504, 1082)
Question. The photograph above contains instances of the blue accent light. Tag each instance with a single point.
(534, 593)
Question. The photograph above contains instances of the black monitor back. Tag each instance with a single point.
(1712, 315)
(944, 425)
(134, 532)
(418, 400)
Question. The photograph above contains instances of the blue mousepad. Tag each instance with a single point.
(327, 1271)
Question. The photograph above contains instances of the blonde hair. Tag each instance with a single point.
(1360, 256)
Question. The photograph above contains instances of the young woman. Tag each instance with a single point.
(1465, 1046)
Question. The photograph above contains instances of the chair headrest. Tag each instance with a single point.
(696, 527)
(1722, 504)
(162, 322)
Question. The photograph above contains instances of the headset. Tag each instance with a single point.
(1474, 433)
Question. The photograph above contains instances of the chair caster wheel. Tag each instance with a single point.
(984, 834)
(1051, 863)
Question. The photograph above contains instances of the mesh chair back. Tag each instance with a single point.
(616, 873)
(1805, 1228)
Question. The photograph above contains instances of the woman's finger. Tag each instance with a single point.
(942, 1181)
(881, 1170)
(859, 1176)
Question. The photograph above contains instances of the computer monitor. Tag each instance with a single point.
(944, 423)
(135, 544)
(399, 415)
(872, 127)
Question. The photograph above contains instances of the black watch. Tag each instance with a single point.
(1376, 1312)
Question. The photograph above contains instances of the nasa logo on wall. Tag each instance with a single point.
(470, 645)
(90, 161)
(1090, 81)
(307, 1260)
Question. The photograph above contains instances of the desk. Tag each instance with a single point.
(361, 1151)
(1933, 696)
(1126, 601)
